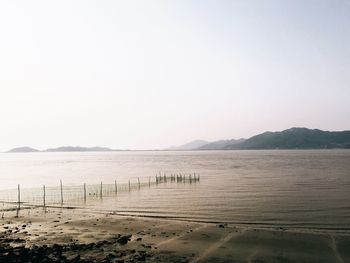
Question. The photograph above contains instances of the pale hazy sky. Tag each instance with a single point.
(150, 74)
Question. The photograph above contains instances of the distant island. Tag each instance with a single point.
(24, 149)
(79, 149)
(294, 138)
(63, 149)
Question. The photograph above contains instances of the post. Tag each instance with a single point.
(116, 186)
(61, 192)
(84, 193)
(129, 185)
(44, 196)
(101, 191)
(149, 181)
(138, 180)
(19, 197)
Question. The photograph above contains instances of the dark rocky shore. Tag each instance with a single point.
(14, 250)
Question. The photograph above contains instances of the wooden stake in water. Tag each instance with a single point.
(19, 197)
(101, 191)
(61, 192)
(44, 197)
(138, 180)
(84, 192)
(116, 187)
(129, 185)
(149, 181)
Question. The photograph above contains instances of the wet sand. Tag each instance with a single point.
(78, 235)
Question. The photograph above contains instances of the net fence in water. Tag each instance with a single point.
(71, 195)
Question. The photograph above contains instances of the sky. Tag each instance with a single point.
(152, 74)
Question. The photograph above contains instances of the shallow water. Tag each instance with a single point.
(301, 189)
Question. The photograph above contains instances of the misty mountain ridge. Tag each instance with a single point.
(221, 144)
(78, 149)
(24, 149)
(296, 138)
(190, 146)
(293, 138)
(62, 149)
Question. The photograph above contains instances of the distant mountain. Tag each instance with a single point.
(190, 146)
(64, 149)
(295, 138)
(79, 149)
(219, 145)
(23, 150)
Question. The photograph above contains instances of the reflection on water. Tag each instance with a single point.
(274, 188)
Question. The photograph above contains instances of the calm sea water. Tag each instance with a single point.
(301, 189)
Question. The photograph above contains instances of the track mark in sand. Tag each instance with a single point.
(214, 247)
(251, 257)
(179, 236)
(333, 246)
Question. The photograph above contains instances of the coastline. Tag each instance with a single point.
(77, 235)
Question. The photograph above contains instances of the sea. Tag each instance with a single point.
(303, 189)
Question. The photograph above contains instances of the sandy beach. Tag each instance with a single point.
(78, 235)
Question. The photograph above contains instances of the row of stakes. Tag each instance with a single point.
(178, 178)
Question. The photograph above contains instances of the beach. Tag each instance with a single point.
(79, 235)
